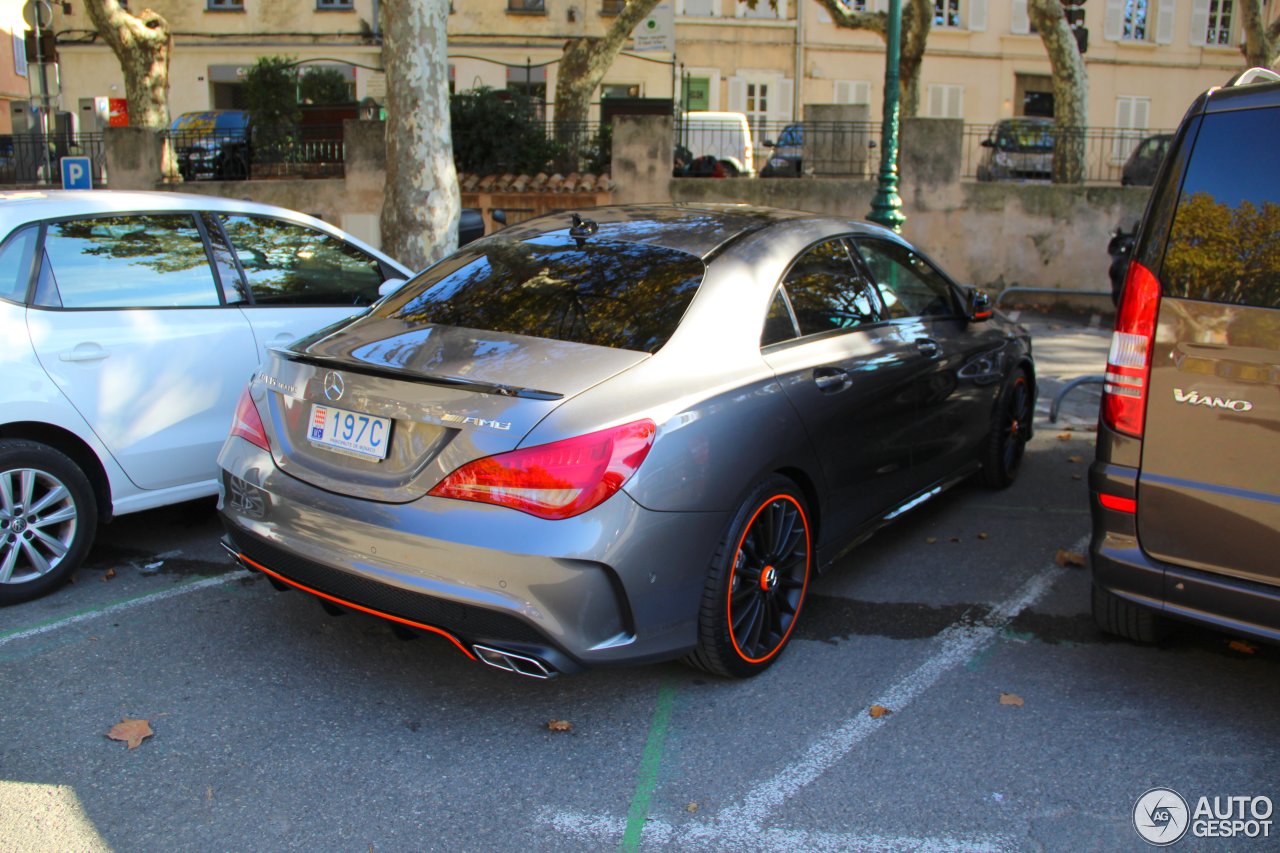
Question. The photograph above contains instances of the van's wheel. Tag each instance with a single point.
(1010, 432)
(756, 584)
(1115, 615)
(48, 518)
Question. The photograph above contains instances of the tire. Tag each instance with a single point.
(758, 578)
(1115, 615)
(48, 517)
(1010, 432)
(730, 170)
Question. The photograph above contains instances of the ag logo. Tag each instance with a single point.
(1161, 816)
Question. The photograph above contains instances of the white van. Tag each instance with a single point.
(724, 136)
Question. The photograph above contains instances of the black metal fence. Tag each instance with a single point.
(990, 155)
(716, 147)
(309, 151)
(34, 159)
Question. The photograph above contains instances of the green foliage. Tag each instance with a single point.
(271, 96)
(1222, 253)
(499, 132)
(320, 85)
(271, 91)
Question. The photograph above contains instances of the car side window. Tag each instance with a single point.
(778, 324)
(290, 264)
(15, 264)
(133, 261)
(827, 292)
(909, 286)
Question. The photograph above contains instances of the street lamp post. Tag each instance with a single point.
(886, 207)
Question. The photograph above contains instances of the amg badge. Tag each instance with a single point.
(480, 422)
(1195, 398)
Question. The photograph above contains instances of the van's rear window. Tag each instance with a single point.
(621, 295)
(1225, 242)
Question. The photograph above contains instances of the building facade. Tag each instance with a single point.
(1146, 59)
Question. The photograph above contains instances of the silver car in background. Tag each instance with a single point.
(625, 439)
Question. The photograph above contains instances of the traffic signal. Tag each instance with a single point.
(1074, 11)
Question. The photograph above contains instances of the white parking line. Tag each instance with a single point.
(86, 615)
(743, 826)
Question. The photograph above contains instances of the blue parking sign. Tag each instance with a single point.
(76, 174)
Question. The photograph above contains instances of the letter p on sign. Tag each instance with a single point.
(76, 174)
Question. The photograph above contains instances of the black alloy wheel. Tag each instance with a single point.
(757, 583)
(1010, 433)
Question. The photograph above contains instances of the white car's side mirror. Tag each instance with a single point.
(390, 286)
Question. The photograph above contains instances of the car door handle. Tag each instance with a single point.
(928, 347)
(831, 380)
(84, 352)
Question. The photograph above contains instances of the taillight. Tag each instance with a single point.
(557, 480)
(1118, 503)
(247, 424)
(1124, 395)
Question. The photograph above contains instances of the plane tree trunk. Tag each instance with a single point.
(142, 43)
(421, 207)
(1070, 90)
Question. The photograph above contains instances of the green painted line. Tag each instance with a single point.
(650, 762)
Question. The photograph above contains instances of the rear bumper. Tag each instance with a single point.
(618, 584)
(1120, 566)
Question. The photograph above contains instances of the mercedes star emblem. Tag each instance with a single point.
(333, 385)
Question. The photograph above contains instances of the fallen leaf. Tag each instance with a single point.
(1242, 646)
(1075, 458)
(1011, 699)
(560, 726)
(132, 732)
(208, 793)
(691, 808)
(1066, 558)
(878, 711)
(955, 538)
(931, 540)
(982, 536)
(108, 575)
(1065, 436)
(1077, 476)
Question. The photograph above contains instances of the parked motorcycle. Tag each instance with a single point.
(1120, 248)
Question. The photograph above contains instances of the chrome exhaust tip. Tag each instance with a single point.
(512, 662)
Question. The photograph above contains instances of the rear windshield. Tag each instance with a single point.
(620, 295)
(1225, 242)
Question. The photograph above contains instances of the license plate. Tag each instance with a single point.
(338, 429)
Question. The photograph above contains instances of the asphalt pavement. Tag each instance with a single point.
(946, 690)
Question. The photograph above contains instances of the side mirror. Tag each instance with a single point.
(390, 286)
(977, 305)
(987, 143)
(499, 215)
(769, 143)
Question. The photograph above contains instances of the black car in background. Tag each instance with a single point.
(1143, 164)
(1185, 486)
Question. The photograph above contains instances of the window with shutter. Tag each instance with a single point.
(946, 100)
(1132, 112)
(1164, 21)
(1019, 19)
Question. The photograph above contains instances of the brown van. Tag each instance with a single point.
(1185, 489)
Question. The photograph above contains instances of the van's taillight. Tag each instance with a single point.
(1124, 396)
(247, 424)
(557, 480)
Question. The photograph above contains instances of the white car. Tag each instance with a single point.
(130, 323)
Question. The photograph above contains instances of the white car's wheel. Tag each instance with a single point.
(47, 519)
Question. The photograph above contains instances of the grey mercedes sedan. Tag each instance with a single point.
(628, 435)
